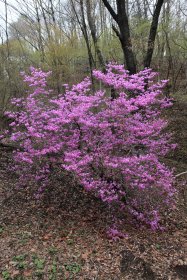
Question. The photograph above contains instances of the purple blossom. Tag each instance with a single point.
(111, 147)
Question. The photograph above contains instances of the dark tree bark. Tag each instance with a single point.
(152, 33)
(123, 33)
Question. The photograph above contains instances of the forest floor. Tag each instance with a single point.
(64, 237)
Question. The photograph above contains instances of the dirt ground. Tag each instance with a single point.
(63, 236)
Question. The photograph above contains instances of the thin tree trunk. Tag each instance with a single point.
(93, 34)
(40, 42)
(83, 28)
(152, 34)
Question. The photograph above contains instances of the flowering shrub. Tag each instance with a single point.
(112, 147)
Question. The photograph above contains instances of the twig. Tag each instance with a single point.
(9, 146)
(180, 174)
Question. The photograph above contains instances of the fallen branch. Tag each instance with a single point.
(180, 174)
(9, 146)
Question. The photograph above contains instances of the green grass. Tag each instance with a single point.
(20, 261)
(73, 267)
(6, 275)
(1, 229)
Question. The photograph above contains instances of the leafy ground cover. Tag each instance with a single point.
(63, 236)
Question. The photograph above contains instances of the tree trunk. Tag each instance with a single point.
(152, 34)
(123, 33)
(94, 34)
(83, 28)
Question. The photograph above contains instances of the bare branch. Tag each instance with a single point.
(110, 9)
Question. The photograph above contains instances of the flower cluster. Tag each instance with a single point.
(113, 147)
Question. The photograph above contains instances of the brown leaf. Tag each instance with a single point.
(27, 273)
(33, 250)
(47, 236)
(67, 274)
(15, 273)
(85, 255)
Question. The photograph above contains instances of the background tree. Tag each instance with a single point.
(123, 32)
(73, 37)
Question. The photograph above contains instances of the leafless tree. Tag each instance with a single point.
(92, 26)
(123, 32)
